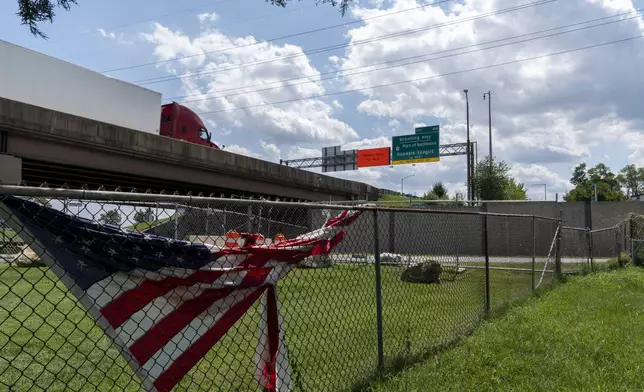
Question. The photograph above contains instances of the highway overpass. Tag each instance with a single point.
(41, 145)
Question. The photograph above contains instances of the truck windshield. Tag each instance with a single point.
(203, 134)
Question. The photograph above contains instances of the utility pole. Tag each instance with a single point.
(489, 109)
(469, 169)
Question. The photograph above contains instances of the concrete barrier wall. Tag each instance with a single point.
(439, 233)
(452, 234)
(215, 223)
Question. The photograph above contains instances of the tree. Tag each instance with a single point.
(515, 191)
(631, 179)
(33, 12)
(143, 216)
(344, 4)
(438, 192)
(111, 217)
(609, 187)
(493, 182)
(579, 175)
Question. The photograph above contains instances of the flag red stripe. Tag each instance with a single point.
(270, 372)
(121, 308)
(342, 220)
(182, 365)
(163, 331)
(326, 246)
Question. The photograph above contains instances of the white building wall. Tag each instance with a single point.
(37, 79)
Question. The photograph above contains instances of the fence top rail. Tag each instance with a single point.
(612, 228)
(111, 196)
(575, 228)
(615, 227)
(471, 202)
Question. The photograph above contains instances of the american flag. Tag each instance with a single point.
(165, 303)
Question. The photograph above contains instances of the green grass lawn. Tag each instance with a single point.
(585, 335)
(49, 343)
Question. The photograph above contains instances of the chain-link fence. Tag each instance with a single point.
(576, 249)
(635, 233)
(124, 292)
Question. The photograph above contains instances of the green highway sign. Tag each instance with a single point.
(421, 147)
(431, 128)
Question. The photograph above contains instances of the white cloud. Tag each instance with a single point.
(207, 20)
(118, 38)
(237, 149)
(547, 114)
(380, 141)
(554, 109)
(208, 17)
(271, 151)
(635, 139)
(297, 152)
(532, 174)
(304, 121)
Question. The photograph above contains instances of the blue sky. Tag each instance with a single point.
(549, 114)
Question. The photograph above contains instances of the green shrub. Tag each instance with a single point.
(620, 262)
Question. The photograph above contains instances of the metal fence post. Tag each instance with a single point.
(558, 249)
(590, 249)
(624, 244)
(630, 229)
(376, 246)
(618, 247)
(487, 263)
(534, 248)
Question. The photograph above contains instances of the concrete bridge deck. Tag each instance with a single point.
(57, 148)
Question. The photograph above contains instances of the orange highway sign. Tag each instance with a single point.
(374, 157)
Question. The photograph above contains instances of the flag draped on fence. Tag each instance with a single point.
(166, 302)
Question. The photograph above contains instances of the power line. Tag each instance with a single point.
(280, 38)
(178, 12)
(424, 78)
(344, 45)
(338, 46)
(418, 56)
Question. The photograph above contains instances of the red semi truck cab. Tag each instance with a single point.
(179, 122)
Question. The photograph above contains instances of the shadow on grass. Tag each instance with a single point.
(406, 359)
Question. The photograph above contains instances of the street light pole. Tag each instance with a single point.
(489, 109)
(469, 169)
(402, 193)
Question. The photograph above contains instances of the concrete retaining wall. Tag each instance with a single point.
(452, 234)
(417, 232)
